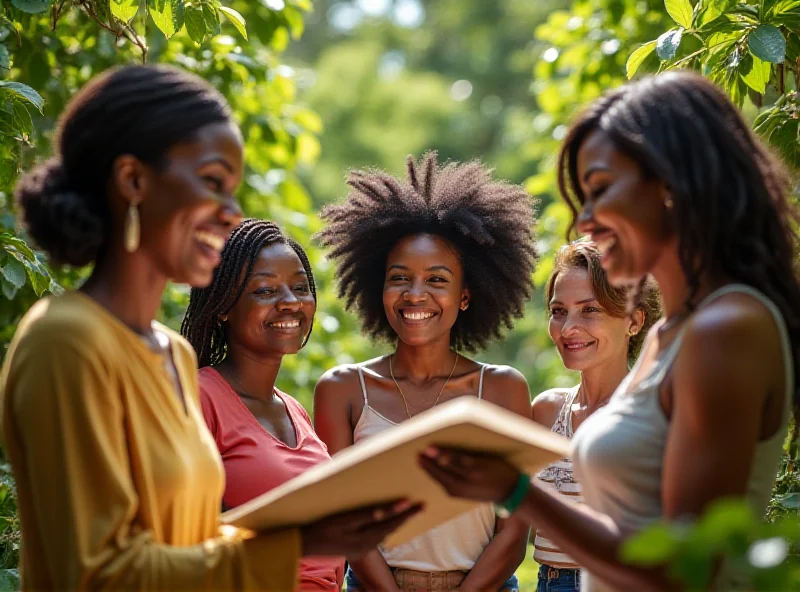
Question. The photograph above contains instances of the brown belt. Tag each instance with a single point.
(410, 580)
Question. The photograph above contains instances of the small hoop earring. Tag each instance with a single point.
(465, 306)
(132, 232)
(632, 332)
(668, 203)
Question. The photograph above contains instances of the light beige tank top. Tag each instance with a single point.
(618, 452)
(560, 478)
(455, 545)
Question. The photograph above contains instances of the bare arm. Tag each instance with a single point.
(333, 406)
(506, 387)
(725, 369)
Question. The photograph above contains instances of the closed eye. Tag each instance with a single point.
(302, 288)
(214, 183)
(397, 278)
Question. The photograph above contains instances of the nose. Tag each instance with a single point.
(585, 221)
(231, 212)
(570, 325)
(415, 293)
(288, 301)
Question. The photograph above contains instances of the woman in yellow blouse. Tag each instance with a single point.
(119, 481)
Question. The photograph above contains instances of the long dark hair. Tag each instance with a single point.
(201, 325)
(730, 199)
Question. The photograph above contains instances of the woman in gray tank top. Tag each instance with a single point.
(668, 180)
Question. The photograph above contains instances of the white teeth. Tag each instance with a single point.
(286, 324)
(418, 316)
(606, 244)
(575, 346)
(210, 239)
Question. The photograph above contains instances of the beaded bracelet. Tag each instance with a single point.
(514, 500)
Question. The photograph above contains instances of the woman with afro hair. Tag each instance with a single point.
(438, 264)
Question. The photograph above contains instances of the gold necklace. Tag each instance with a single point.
(391, 373)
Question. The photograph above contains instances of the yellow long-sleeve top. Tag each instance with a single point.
(119, 484)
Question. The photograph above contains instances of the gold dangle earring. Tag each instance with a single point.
(132, 231)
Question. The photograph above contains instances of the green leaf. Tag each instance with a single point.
(195, 24)
(22, 118)
(5, 60)
(22, 91)
(124, 10)
(18, 244)
(713, 10)
(767, 43)
(755, 73)
(14, 272)
(211, 16)
(235, 18)
(32, 6)
(667, 44)
(167, 15)
(680, 11)
(8, 289)
(637, 57)
(652, 546)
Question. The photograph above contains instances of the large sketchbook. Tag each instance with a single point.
(384, 467)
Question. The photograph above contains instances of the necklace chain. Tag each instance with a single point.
(405, 402)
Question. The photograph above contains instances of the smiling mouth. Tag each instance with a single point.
(605, 244)
(209, 239)
(287, 325)
(574, 347)
(417, 315)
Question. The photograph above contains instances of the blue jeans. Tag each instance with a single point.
(552, 579)
(512, 585)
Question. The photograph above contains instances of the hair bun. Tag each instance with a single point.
(63, 222)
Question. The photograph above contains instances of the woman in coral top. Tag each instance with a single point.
(258, 308)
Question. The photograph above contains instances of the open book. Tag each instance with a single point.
(384, 467)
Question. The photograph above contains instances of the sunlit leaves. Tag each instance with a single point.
(236, 19)
(637, 57)
(680, 11)
(124, 10)
(168, 15)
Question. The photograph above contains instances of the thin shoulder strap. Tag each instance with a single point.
(363, 385)
(480, 381)
(780, 323)
(788, 362)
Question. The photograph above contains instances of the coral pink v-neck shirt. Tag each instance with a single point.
(256, 461)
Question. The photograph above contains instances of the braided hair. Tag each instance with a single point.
(201, 325)
(488, 222)
(137, 110)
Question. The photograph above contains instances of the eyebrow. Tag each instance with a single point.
(585, 301)
(431, 268)
(596, 168)
(269, 274)
(218, 160)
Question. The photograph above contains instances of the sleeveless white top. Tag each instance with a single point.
(618, 452)
(452, 546)
(559, 477)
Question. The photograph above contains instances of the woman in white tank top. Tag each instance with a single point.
(667, 179)
(437, 264)
(595, 336)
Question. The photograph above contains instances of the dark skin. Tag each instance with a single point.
(730, 365)
(180, 205)
(424, 278)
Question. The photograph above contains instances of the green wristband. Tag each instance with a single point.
(510, 505)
